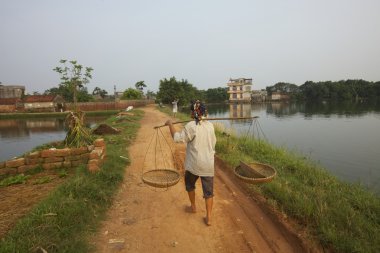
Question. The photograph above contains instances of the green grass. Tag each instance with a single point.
(342, 216)
(102, 113)
(42, 180)
(80, 203)
(17, 179)
(179, 116)
(34, 171)
(62, 173)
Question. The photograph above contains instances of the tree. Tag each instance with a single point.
(150, 94)
(131, 94)
(183, 90)
(72, 77)
(67, 94)
(83, 95)
(216, 95)
(140, 85)
(288, 88)
(61, 90)
(100, 92)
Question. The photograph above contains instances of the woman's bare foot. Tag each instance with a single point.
(191, 209)
(207, 221)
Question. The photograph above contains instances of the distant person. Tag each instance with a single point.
(175, 107)
(199, 162)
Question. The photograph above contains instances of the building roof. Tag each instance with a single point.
(237, 79)
(3, 86)
(9, 101)
(39, 98)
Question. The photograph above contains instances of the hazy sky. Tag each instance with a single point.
(203, 41)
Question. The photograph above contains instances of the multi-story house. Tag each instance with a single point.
(11, 91)
(239, 89)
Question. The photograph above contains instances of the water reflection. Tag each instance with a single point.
(18, 136)
(283, 109)
(323, 108)
(342, 137)
(20, 128)
(240, 110)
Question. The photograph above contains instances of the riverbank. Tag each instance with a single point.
(76, 206)
(139, 212)
(146, 219)
(342, 216)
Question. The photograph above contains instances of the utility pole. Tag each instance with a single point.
(114, 92)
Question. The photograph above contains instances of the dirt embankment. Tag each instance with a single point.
(146, 219)
(18, 200)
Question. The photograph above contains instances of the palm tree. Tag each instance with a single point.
(140, 85)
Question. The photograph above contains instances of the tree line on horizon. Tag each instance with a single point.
(169, 89)
(329, 90)
(74, 77)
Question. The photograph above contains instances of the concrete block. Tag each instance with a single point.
(48, 153)
(78, 151)
(25, 168)
(62, 152)
(53, 159)
(15, 162)
(32, 161)
(33, 155)
(93, 167)
(99, 143)
(49, 166)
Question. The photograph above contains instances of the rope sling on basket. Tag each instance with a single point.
(165, 176)
(254, 172)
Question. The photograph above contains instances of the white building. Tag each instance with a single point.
(11, 91)
(239, 89)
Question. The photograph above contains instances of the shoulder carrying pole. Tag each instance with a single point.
(185, 121)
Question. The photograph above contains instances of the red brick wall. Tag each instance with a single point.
(100, 106)
(92, 156)
(92, 106)
(7, 108)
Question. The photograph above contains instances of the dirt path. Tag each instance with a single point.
(146, 219)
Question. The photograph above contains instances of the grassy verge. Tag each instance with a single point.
(78, 204)
(52, 114)
(342, 216)
(179, 116)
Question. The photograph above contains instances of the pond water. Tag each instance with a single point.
(18, 136)
(344, 138)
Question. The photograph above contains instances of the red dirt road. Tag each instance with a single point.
(147, 219)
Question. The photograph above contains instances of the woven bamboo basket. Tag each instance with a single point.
(161, 178)
(255, 173)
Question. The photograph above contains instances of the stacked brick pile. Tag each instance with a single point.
(92, 156)
(97, 155)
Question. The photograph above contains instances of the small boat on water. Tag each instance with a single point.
(255, 173)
